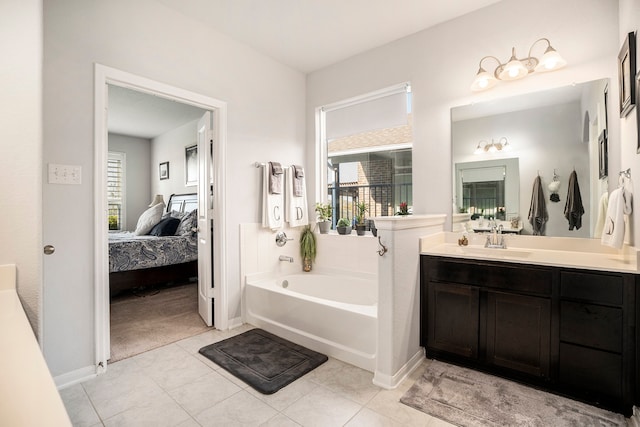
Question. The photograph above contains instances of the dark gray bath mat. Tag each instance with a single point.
(262, 360)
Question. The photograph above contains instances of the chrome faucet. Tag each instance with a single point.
(286, 258)
(495, 239)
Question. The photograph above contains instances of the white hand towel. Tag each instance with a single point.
(603, 205)
(272, 204)
(614, 226)
(295, 206)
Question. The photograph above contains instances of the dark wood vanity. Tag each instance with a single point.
(574, 332)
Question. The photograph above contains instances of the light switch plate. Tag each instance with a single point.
(65, 174)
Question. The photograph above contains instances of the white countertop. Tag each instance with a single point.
(537, 250)
(28, 395)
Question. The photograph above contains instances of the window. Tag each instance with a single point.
(115, 189)
(365, 147)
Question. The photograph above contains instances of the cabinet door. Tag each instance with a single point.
(453, 318)
(519, 332)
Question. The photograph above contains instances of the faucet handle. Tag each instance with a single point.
(281, 239)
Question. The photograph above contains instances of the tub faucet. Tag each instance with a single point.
(286, 258)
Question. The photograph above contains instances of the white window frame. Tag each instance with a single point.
(123, 202)
(321, 134)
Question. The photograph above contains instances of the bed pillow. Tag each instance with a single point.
(148, 219)
(166, 227)
(188, 223)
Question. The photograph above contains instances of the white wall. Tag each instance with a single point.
(137, 175)
(544, 140)
(441, 63)
(265, 121)
(21, 148)
(629, 21)
(170, 147)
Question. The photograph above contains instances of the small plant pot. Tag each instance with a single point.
(344, 230)
(324, 227)
(306, 264)
(360, 229)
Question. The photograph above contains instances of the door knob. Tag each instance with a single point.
(49, 249)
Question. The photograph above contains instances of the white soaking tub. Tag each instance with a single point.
(332, 314)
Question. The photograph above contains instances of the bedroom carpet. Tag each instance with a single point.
(153, 318)
(466, 397)
(264, 361)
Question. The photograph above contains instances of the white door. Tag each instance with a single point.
(205, 217)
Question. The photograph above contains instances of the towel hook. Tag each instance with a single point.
(383, 249)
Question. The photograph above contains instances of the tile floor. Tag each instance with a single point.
(175, 386)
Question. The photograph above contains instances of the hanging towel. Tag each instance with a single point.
(603, 204)
(298, 181)
(295, 207)
(275, 178)
(620, 204)
(573, 209)
(538, 215)
(272, 204)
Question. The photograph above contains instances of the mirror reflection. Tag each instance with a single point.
(501, 147)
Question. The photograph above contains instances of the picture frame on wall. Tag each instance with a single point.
(603, 160)
(164, 170)
(626, 74)
(638, 112)
(191, 165)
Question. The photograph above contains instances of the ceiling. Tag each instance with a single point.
(312, 34)
(306, 35)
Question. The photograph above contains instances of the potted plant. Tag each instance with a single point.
(343, 226)
(404, 209)
(307, 248)
(360, 224)
(324, 211)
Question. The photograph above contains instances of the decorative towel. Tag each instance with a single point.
(272, 204)
(573, 209)
(603, 204)
(620, 204)
(275, 178)
(295, 207)
(538, 215)
(298, 181)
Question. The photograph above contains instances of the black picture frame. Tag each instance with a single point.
(191, 165)
(164, 170)
(626, 74)
(638, 111)
(603, 159)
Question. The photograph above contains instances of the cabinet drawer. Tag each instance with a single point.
(520, 279)
(591, 325)
(594, 287)
(590, 372)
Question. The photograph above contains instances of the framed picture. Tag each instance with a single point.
(638, 110)
(626, 74)
(191, 165)
(602, 154)
(164, 170)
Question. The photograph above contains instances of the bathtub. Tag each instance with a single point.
(332, 314)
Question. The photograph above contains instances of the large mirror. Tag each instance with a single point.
(500, 147)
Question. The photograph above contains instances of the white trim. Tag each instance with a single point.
(377, 149)
(370, 96)
(75, 377)
(392, 381)
(106, 75)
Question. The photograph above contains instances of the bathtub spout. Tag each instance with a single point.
(286, 258)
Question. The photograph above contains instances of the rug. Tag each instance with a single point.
(264, 361)
(149, 319)
(468, 398)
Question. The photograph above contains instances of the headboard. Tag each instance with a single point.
(182, 202)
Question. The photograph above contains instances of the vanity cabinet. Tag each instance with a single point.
(567, 330)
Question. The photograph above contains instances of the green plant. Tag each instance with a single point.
(324, 211)
(343, 222)
(307, 243)
(362, 208)
(113, 222)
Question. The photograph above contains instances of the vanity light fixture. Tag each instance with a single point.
(516, 68)
(493, 147)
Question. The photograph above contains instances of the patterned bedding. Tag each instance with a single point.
(130, 252)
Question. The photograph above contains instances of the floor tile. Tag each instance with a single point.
(241, 409)
(280, 420)
(387, 403)
(286, 396)
(79, 408)
(368, 418)
(323, 408)
(203, 392)
(347, 380)
(159, 412)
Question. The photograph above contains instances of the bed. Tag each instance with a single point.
(146, 260)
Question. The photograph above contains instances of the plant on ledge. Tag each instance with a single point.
(404, 209)
(343, 226)
(324, 211)
(360, 225)
(307, 247)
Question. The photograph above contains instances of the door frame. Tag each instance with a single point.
(104, 75)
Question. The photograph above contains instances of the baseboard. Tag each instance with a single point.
(236, 322)
(75, 377)
(392, 381)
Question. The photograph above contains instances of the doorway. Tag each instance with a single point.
(213, 212)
